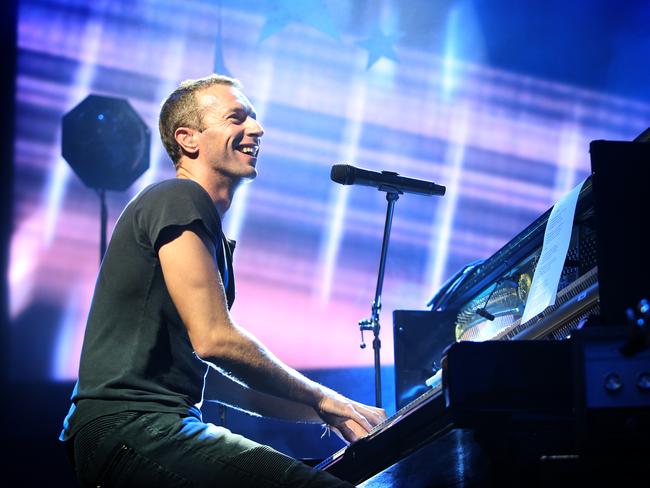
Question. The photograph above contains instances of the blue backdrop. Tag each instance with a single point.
(496, 100)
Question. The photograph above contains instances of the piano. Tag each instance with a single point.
(517, 403)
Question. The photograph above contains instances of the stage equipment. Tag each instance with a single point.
(346, 174)
(394, 186)
(106, 143)
(564, 393)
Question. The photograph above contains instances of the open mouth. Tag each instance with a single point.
(249, 149)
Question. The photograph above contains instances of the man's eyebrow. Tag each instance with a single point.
(243, 110)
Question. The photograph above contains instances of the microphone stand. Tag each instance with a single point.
(372, 323)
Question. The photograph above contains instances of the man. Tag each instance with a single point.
(160, 315)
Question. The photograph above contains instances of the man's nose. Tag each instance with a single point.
(254, 128)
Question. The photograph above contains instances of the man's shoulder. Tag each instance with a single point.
(174, 189)
(175, 202)
(172, 185)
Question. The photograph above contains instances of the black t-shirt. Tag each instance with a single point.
(137, 354)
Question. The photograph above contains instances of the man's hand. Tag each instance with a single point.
(350, 420)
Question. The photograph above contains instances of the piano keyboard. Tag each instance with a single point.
(435, 382)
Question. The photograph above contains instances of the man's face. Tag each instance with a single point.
(230, 139)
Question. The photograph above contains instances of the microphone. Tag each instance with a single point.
(389, 181)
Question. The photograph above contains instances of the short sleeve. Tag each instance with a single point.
(174, 203)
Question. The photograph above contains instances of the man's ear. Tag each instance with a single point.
(186, 138)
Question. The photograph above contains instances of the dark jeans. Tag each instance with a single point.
(160, 450)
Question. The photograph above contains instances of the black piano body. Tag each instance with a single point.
(525, 404)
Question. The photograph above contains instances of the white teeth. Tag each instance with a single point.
(249, 150)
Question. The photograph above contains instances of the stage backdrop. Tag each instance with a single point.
(493, 100)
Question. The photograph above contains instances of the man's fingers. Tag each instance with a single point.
(361, 420)
(374, 415)
(350, 430)
(352, 419)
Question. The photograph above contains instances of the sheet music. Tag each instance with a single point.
(557, 235)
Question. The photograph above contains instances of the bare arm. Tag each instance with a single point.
(196, 289)
(225, 390)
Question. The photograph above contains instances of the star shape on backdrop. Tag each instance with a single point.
(380, 45)
(313, 13)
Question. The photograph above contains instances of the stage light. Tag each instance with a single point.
(105, 142)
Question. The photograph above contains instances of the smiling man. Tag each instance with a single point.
(160, 318)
